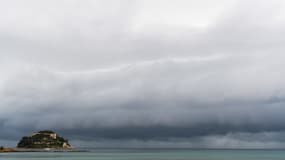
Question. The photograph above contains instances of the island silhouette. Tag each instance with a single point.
(45, 140)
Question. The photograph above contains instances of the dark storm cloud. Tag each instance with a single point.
(116, 76)
(125, 103)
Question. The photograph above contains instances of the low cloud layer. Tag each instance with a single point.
(106, 76)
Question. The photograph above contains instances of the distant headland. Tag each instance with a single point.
(41, 141)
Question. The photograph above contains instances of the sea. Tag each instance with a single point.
(150, 154)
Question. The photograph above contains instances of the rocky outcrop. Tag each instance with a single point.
(44, 139)
(2, 149)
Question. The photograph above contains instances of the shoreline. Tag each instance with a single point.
(12, 150)
(6, 150)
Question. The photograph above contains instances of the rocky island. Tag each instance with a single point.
(44, 140)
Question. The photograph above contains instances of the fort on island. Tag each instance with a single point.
(44, 140)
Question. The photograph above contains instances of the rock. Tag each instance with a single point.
(44, 139)
(2, 149)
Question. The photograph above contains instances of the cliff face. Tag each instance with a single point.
(44, 139)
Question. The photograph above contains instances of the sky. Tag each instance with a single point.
(130, 73)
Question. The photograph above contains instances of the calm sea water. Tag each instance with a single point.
(152, 154)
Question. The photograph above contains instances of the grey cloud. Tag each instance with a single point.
(264, 140)
(141, 101)
(83, 71)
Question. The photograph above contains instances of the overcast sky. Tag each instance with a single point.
(148, 73)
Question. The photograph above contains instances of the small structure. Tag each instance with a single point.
(53, 135)
(47, 133)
